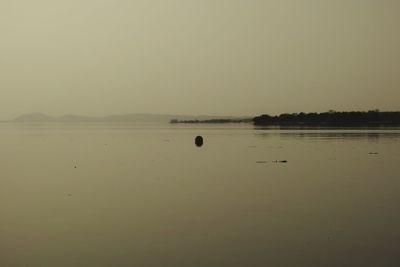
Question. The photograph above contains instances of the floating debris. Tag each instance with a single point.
(199, 141)
(280, 161)
(274, 161)
(373, 153)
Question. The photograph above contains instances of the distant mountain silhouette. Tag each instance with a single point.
(34, 117)
(134, 117)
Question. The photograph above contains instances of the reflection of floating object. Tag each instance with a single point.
(199, 141)
(275, 161)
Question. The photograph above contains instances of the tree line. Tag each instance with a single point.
(372, 117)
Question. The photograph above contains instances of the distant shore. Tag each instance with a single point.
(372, 118)
(331, 118)
(211, 121)
(122, 118)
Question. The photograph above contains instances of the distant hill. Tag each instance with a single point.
(134, 117)
(34, 117)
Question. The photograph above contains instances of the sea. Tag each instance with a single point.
(143, 194)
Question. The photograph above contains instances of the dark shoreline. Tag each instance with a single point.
(212, 121)
(372, 118)
(332, 119)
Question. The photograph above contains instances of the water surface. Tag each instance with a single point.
(145, 195)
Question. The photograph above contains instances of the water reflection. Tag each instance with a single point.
(372, 135)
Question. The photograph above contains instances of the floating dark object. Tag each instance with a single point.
(280, 161)
(74, 167)
(373, 153)
(199, 141)
(261, 161)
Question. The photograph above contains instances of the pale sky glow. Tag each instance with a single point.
(222, 57)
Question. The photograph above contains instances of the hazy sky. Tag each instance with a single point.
(227, 57)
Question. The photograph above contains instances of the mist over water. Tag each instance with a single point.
(144, 195)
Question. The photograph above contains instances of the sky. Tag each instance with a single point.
(215, 57)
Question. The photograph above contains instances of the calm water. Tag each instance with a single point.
(144, 195)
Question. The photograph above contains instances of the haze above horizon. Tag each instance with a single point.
(228, 58)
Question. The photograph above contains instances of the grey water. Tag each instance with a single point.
(145, 195)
